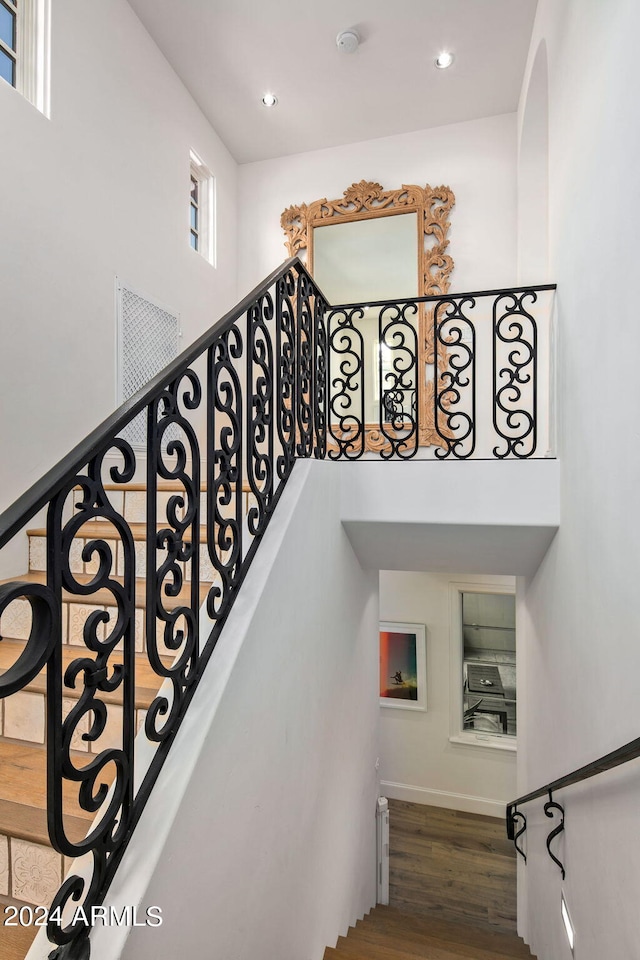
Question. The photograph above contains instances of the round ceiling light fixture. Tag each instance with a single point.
(444, 60)
(347, 41)
(269, 99)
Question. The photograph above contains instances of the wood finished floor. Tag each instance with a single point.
(452, 892)
(452, 866)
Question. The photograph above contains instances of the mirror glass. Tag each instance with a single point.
(367, 260)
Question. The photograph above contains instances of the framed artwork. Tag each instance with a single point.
(403, 665)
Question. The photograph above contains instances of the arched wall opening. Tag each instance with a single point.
(533, 177)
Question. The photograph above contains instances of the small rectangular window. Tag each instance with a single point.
(8, 41)
(24, 48)
(201, 209)
(489, 663)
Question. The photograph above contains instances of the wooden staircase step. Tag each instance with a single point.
(103, 530)
(15, 941)
(24, 778)
(147, 681)
(417, 944)
(36, 869)
(105, 598)
(390, 934)
(397, 920)
(163, 486)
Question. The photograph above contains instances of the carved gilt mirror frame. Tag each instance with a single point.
(366, 200)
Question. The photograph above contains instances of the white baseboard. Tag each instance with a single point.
(442, 798)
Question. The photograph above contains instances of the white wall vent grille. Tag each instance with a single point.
(148, 337)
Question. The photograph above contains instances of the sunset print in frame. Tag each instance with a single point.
(403, 665)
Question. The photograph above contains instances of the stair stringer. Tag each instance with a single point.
(259, 836)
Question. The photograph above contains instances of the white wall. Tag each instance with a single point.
(99, 190)
(581, 609)
(267, 849)
(418, 762)
(476, 159)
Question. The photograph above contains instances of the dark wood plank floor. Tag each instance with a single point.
(452, 866)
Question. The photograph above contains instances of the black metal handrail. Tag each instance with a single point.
(286, 377)
(26, 506)
(630, 751)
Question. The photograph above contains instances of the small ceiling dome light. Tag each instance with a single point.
(269, 100)
(348, 41)
(444, 60)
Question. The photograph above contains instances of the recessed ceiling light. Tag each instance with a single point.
(269, 100)
(444, 60)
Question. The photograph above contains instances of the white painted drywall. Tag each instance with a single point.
(417, 760)
(580, 612)
(100, 190)
(476, 159)
(494, 517)
(259, 837)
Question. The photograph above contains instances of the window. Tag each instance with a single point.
(483, 665)
(9, 41)
(24, 48)
(201, 209)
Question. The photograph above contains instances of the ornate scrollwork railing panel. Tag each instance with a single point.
(398, 379)
(515, 375)
(102, 677)
(346, 385)
(455, 378)
(173, 550)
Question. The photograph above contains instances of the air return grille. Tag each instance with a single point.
(148, 339)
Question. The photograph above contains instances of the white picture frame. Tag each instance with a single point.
(403, 665)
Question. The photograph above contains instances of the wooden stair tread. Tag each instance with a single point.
(24, 784)
(163, 486)
(391, 934)
(103, 530)
(103, 598)
(147, 680)
(16, 941)
(503, 944)
(463, 947)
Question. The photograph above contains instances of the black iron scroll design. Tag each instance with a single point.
(173, 550)
(398, 379)
(549, 808)
(260, 418)
(320, 376)
(304, 366)
(515, 375)
(225, 468)
(105, 783)
(455, 377)
(286, 372)
(514, 817)
(346, 387)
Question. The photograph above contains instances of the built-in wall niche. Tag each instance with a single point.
(380, 245)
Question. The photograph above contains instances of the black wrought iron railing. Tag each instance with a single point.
(516, 819)
(282, 376)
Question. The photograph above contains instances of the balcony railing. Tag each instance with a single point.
(282, 376)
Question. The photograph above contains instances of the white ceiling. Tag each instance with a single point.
(229, 52)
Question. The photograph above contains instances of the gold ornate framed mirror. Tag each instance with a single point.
(391, 245)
